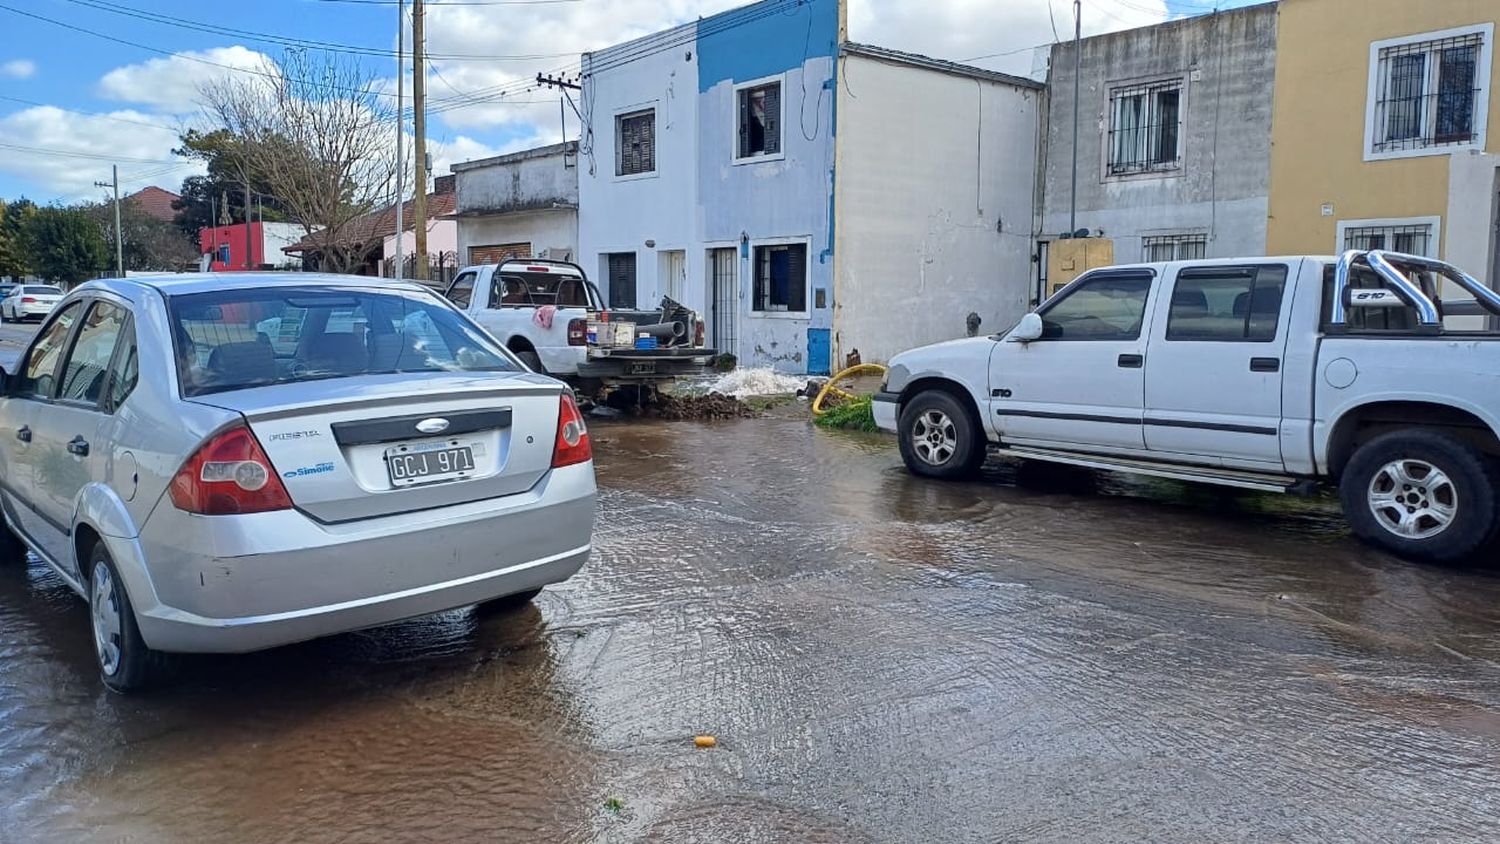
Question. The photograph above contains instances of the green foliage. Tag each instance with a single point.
(149, 244)
(856, 415)
(65, 245)
(203, 197)
(14, 217)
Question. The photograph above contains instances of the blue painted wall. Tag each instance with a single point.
(765, 38)
(781, 199)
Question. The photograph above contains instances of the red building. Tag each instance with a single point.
(227, 249)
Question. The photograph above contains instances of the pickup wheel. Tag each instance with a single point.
(1421, 494)
(939, 437)
(532, 361)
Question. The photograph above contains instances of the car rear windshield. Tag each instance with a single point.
(233, 339)
(43, 291)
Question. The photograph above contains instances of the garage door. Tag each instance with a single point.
(498, 253)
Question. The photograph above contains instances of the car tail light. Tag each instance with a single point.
(578, 332)
(699, 337)
(28, 300)
(572, 436)
(228, 475)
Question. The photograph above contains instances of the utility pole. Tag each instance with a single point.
(1077, 66)
(114, 182)
(248, 251)
(419, 127)
(400, 135)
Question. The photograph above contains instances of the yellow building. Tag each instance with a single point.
(1384, 130)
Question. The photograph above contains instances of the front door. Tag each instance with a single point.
(724, 298)
(674, 267)
(25, 422)
(1081, 386)
(1213, 372)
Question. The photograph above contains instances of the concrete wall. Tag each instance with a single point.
(1227, 64)
(931, 224)
(526, 197)
(442, 236)
(622, 213)
(774, 199)
(1319, 158)
(1473, 219)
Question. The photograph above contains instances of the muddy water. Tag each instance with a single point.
(881, 659)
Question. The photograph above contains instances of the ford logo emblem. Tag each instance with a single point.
(433, 426)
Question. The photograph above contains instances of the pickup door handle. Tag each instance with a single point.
(24, 435)
(1132, 361)
(1265, 364)
(78, 446)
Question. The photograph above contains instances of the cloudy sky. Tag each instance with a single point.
(88, 83)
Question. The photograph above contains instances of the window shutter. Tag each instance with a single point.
(744, 124)
(622, 280)
(796, 299)
(773, 119)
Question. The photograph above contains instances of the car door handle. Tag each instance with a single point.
(1265, 364)
(78, 446)
(24, 435)
(1132, 361)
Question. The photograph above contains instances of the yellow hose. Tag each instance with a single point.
(830, 390)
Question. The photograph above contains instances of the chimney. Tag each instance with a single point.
(444, 184)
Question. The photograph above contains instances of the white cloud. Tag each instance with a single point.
(108, 138)
(172, 84)
(18, 69)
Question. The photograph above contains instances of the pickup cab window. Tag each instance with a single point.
(461, 291)
(1107, 306)
(533, 290)
(1227, 304)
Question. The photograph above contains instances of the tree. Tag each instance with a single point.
(13, 249)
(318, 132)
(149, 244)
(65, 245)
(228, 171)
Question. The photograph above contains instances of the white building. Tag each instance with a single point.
(522, 205)
(712, 171)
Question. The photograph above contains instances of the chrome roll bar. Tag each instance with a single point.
(1389, 266)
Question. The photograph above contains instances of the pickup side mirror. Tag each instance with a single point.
(1029, 328)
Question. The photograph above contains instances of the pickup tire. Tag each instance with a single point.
(1422, 494)
(939, 437)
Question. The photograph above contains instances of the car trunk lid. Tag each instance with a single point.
(372, 446)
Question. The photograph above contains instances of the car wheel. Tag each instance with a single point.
(939, 437)
(509, 603)
(1423, 495)
(532, 361)
(125, 663)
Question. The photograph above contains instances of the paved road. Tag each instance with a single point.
(13, 338)
(881, 659)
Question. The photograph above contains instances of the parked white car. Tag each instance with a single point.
(206, 490)
(29, 301)
(551, 316)
(1269, 374)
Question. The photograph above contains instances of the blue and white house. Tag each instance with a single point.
(710, 171)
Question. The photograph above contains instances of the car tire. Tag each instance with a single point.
(1421, 494)
(532, 361)
(125, 663)
(939, 437)
(509, 603)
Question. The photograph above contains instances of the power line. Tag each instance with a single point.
(89, 155)
(456, 2)
(91, 114)
(287, 40)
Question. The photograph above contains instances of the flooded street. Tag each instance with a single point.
(881, 659)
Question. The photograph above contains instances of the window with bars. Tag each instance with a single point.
(1428, 94)
(759, 121)
(781, 277)
(1145, 128)
(1175, 247)
(635, 143)
(1412, 239)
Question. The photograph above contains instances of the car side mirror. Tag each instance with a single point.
(1029, 328)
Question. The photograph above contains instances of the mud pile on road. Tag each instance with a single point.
(711, 406)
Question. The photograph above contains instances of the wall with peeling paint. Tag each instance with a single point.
(625, 213)
(936, 174)
(1226, 63)
(525, 197)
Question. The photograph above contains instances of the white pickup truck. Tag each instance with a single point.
(1270, 374)
(553, 318)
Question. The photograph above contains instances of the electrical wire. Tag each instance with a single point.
(88, 155)
(454, 2)
(91, 114)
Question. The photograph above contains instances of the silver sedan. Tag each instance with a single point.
(233, 462)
